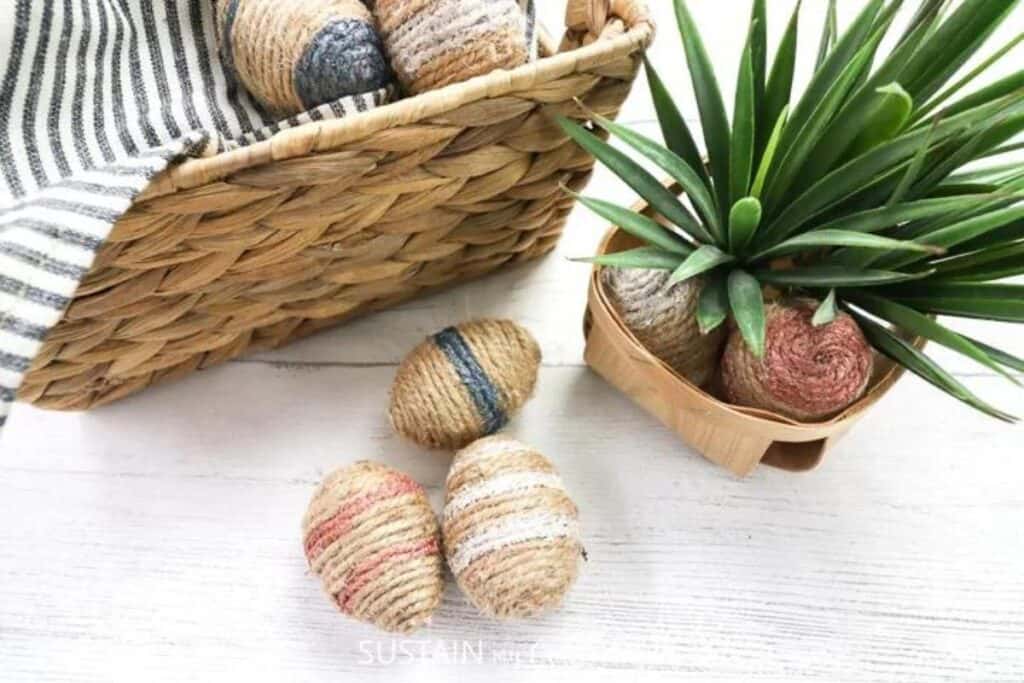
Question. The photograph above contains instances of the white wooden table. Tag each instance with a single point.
(158, 539)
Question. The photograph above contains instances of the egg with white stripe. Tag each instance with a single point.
(511, 532)
(434, 43)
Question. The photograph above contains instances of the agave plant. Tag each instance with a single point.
(854, 193)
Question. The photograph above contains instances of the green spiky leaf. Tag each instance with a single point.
(924, 17)
(713, 305)
(826, 311)
(965, 231)
(674, 129)
(642, 182)
(843, 238)
(909, 320)
(747, 304)
(889, 216)
(741, 161)
(828, 34)
(999, 356)
(913, 170)
(801, 142)
(744, 217)
(961, 151)
(759, 64)
(977, 71)
(850, 48)
(677, 167)
(779, 88)
(641, 257)
(950, 46)
(886, 118)
(700, 261)
(985, 300)
(993, 263)
(1004, 87)
(822, 277)
(859, 173)
(924, 367)
(768, 158)
(638, 225)
(714, 120)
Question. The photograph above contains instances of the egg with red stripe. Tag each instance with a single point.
(372, 538)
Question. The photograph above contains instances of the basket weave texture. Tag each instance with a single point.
(253, 248)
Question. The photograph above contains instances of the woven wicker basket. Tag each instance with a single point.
(251, 249)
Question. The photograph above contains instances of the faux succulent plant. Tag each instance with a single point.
(862, 192)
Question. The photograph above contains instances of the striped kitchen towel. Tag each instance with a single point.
(96, 98)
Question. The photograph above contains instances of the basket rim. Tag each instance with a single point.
(329, 135)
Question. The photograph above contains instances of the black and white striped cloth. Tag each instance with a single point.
(96, 98)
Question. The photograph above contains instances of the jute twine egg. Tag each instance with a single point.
(808, 373)
(463, 383)
(511, 532)
(373, 539)
(293, 55)
(663, 317)
(433, 43)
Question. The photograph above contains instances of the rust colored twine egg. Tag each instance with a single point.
(808, 373)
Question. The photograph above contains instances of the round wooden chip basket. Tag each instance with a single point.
(253, 248)
(734, 437)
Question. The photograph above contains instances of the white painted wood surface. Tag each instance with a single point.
(158, 539)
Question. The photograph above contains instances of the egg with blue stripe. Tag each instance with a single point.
(294, 55)
(464, 382)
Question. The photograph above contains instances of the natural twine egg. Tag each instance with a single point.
(511, 532)
(807, 373)
(663, 317)
(373, 539)
(464, 382)
(433, 43)
(294, 55)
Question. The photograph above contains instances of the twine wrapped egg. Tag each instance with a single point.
(808, 373)
(663, 317)
(433, 43)
(294, 55)
(463, 383)
(373, 539)
(511, 532)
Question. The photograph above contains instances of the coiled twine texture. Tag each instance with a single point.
(374, 541)
(433, 43)
(663, 317)
(808, 373)
(511, 532)
(294, 55)
(463, 383)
